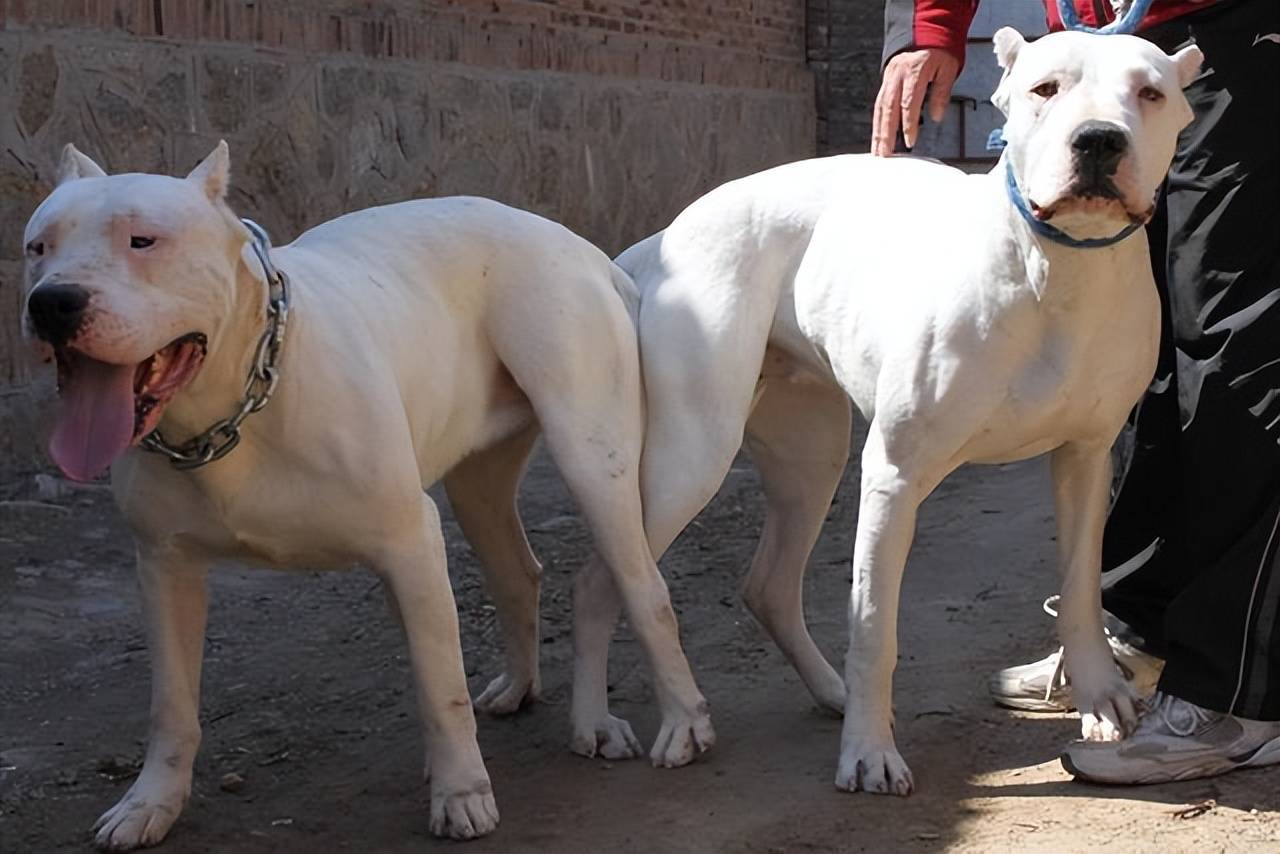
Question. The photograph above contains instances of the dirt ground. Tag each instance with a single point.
(306, 696)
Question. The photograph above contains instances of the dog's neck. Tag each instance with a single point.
(1053, 270)
(218, 390)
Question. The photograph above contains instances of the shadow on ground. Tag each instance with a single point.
(306, 697)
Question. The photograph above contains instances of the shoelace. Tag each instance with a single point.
(1059, 678)
(1169, 709)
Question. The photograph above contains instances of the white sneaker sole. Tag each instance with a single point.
(1266, 754)
(1031, 704)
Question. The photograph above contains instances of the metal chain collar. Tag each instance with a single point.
(223, 436)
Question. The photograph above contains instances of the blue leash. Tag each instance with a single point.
(996, 141)
(1123, 25)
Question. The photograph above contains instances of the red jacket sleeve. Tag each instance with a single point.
(913, 24)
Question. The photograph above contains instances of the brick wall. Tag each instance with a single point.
(756, 43)
(844, 39)
(607, 115)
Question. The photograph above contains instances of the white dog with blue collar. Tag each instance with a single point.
(969, 318)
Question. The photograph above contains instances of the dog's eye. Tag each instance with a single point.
(36, 248)
(1046, 90)
(139, 242)
(1151, 93)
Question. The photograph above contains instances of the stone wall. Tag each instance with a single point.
(607, 115)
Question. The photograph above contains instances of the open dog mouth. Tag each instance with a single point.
(106, 408)
(160, 377)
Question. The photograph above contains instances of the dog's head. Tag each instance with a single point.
(1093, 122)
(129, 280)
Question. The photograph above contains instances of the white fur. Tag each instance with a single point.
(427, 340)
(918, 293)
(1093, 84)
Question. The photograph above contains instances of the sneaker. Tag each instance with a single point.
(1176, 740)
(1042, 686)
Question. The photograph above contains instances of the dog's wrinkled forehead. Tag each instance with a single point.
(1118, 58)
(94, 206)
(1114, 66)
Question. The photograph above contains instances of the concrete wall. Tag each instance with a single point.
(607, 115)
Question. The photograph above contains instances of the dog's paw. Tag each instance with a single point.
(610, 738)
(682, 737)
(463, 813)
(141, 818)
(878, 770)
(506, 694)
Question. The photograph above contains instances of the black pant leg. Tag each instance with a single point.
(1217, 573)
(1141, 526)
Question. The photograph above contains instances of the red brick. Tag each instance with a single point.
(678, 40)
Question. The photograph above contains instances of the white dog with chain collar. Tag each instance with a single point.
(429, 340)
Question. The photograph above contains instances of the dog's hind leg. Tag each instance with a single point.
(582, 376)
(798, 436)
(175, 603)
(596, 607)
(701, 363)
(482, 489)
(599, 461)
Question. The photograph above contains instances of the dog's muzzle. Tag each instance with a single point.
(1097, 148)
(56, 311)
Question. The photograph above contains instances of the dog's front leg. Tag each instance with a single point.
(1081, 480)
(414, 569)
(869, 759)
(174, 604)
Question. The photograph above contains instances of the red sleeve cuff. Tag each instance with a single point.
(942, 36)
(939, 24)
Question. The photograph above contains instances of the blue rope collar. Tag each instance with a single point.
(1125, 25)
(1057, 235)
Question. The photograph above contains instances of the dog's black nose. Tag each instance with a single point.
(56, 311)
(1100, 145)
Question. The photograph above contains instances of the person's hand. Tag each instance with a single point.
(902, 92)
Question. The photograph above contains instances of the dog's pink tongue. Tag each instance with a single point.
(96, 420)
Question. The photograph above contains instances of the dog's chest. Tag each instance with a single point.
(278, 519)
(1078, 381)
(310, 539)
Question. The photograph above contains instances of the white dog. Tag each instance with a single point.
(963, 330)
(424, 340)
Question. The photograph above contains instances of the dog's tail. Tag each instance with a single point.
(626, 288)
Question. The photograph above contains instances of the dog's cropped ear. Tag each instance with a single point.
(74, 165)
(1188, 62)
(1007, 42)
(213, 175)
